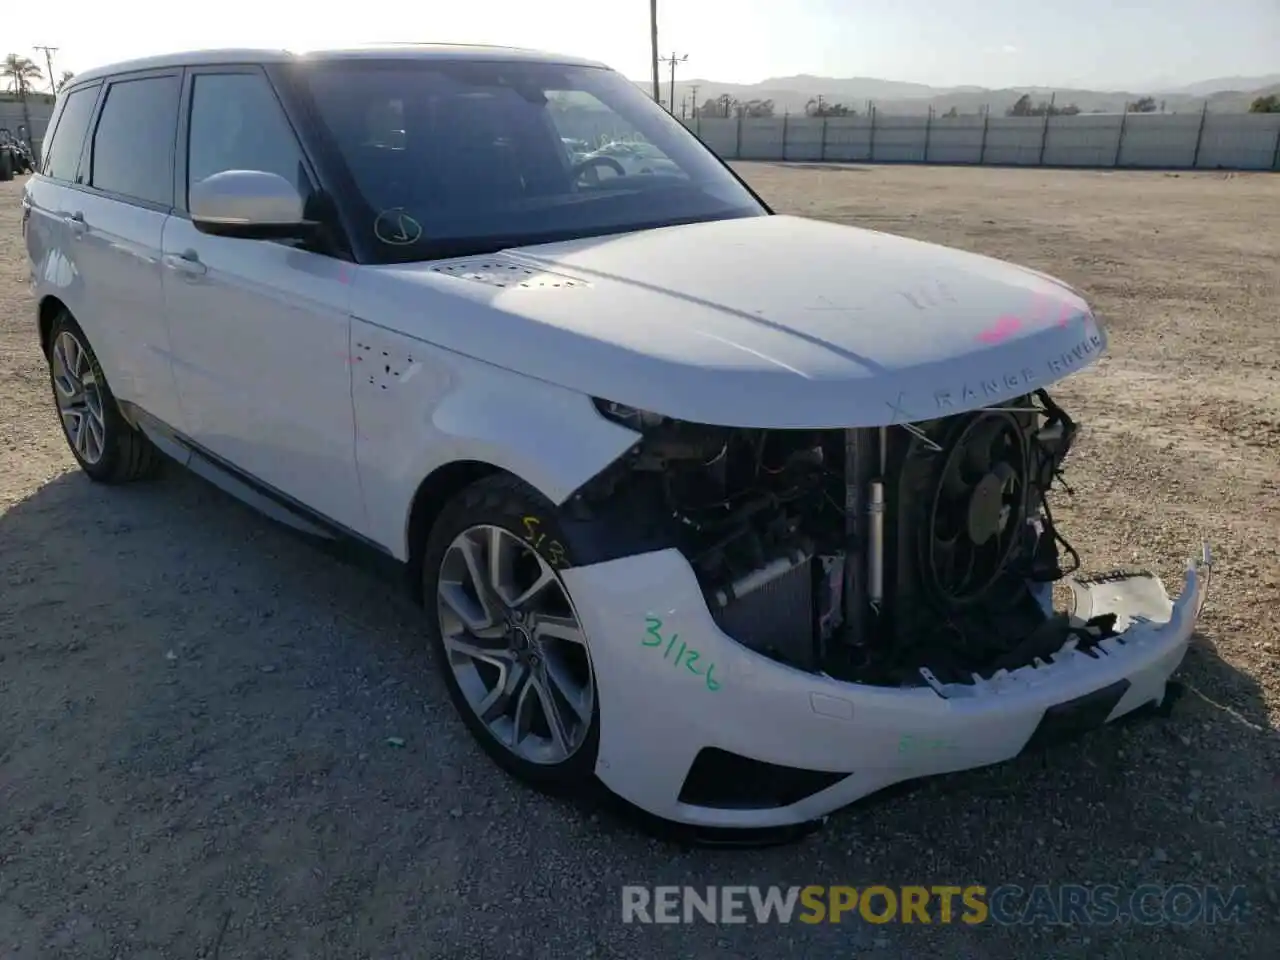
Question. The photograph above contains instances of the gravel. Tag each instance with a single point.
(217, 741)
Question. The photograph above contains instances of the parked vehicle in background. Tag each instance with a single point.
(15, 155)
(630, 158)
(744, 516)
(575, 148)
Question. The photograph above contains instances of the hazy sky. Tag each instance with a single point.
(993, 43)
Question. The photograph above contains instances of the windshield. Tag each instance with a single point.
(457, 157)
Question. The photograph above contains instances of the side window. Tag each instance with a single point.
(62, 152)
(237, 124)
(133, 145)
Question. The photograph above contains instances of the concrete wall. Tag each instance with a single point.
(11, 117)
(1236, 141)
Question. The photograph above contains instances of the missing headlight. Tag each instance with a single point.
(631, 417)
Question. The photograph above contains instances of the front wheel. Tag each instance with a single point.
(515, 657)
(105, 445)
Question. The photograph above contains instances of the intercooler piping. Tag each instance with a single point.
(759, 578)
(875, 529)
(875, 544)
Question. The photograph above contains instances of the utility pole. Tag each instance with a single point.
(673, 60)
(693, 99)
(48, 59)
(653, 51)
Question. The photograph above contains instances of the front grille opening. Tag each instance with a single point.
(894, 556)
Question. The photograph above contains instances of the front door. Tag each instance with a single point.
(260, 328)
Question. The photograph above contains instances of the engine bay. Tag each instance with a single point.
(899, 555)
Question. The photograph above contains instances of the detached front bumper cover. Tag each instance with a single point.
(1145, 615)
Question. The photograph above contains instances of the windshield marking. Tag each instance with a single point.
(397, 228)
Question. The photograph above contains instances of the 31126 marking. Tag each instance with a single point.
(684, 654)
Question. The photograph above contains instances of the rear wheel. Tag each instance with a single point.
(514, 654)
(6, 165)
(105, 445)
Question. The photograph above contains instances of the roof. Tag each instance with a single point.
(405, 51)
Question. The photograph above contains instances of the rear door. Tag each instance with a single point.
(52, 196)
(116, 220)
(261, 328)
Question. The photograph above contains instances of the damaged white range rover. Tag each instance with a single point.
(745, 515)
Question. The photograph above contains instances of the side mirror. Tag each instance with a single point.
(248, 204)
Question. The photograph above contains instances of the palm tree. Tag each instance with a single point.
(21, 73)
(67, 77)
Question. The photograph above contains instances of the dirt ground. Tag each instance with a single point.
(195, 707)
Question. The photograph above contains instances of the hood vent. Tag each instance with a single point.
(500, 272)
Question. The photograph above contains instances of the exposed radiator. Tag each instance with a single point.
(771, 611)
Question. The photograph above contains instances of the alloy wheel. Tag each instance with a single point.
(515, 645)
(79, 397)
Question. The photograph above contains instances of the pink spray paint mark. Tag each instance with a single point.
(1004, 328)
(1044, 310)
(1064, 314)
(1040, 307)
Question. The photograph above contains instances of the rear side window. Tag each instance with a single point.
(133, 145)
(62, 152)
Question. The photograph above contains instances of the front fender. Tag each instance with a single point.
(419, 407)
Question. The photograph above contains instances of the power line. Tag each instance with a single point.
(673, 60)
(48, 59)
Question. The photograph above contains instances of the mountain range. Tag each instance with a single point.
(1223, 95)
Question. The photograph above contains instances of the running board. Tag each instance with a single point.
(224, 479)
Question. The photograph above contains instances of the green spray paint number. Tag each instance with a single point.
(683, 654)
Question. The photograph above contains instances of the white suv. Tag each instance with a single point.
(743, 515)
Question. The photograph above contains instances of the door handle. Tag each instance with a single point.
(76, 222)
(187, 263)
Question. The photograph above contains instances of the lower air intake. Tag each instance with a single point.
(726, 781)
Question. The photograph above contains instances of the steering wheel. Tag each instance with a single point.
(593, 164)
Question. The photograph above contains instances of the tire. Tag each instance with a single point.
(526, 523)
(6, 165)
(113, 451)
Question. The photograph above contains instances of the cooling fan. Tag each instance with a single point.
(977, 511)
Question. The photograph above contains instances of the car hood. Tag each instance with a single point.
(770, 321)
